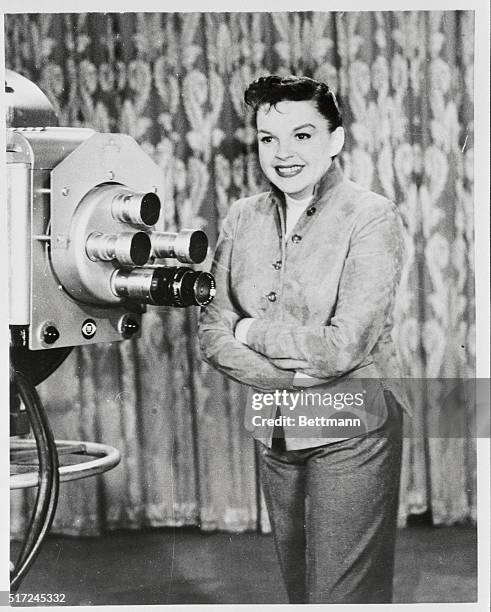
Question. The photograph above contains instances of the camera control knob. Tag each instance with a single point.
(128, 326)
(50, 334)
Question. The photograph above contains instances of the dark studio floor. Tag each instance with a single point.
(184, 565)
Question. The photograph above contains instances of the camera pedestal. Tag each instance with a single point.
(72, 460)
(77, 460)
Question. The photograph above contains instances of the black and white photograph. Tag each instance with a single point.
(247, 357)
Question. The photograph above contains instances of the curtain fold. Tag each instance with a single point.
(174, 81)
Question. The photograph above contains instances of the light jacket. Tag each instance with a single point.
(322, 300)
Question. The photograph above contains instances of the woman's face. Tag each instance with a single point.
(295, 146)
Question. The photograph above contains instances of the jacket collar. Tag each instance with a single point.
(325, 186)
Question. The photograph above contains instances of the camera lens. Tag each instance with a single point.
(139, 248)
(188, 246)
(137, 208)
(128, 248)
(182, 287)
(164, 286)
(150, 208)
(204, 288)
(198, 246)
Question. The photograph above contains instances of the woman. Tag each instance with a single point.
(306, 275)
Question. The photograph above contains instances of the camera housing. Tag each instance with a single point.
(64, 186)
(87, 241)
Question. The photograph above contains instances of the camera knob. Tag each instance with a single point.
(128, 326)
(50, 334)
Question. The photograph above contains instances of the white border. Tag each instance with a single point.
(4, 350)
(182, 6)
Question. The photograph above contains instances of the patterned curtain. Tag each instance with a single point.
(174, 82)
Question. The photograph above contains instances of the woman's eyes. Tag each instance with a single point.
(298, 136)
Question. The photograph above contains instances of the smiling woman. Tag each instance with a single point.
(306, 278)
(295, 146)
(297, 138)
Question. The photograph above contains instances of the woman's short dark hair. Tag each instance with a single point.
(273, 89)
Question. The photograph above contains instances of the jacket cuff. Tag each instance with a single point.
(256, 335)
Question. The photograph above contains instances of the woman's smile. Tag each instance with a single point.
(288, 171)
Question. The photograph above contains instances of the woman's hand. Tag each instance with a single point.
(304, 380)
(241, 329)
(300, 379)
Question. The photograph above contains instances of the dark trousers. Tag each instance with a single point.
(333, 512)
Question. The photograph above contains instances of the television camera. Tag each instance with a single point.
(87, 255)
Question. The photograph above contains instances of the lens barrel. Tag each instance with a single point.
(136, 208)
(128, 248)
(182, 287)
(188, 246)
(162, 286)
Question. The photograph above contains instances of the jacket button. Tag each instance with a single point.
(277, 265)
(296, 238)
(311, 211)
(272, 296)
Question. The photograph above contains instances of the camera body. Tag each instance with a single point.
(87, 244)
(56, 179)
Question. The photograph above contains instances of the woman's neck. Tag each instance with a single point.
(294, 209)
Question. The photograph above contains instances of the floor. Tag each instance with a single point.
(185, 565)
